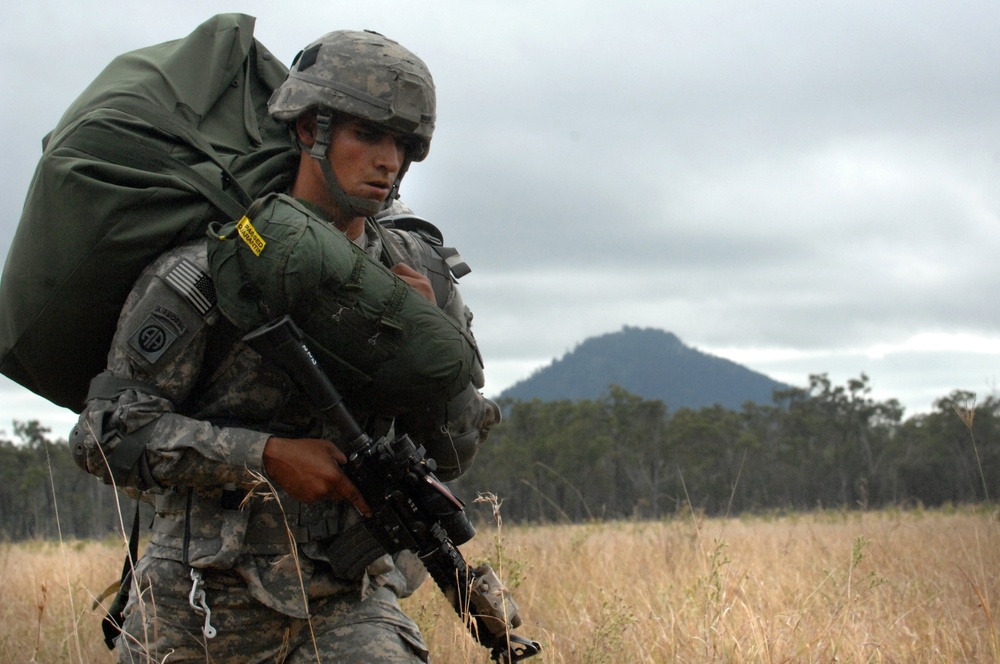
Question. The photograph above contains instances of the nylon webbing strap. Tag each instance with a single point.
(432, 244)
(438, 278)
(169, 123)
(109, 146)
(106, 385)
(128, 452)
(456, 264)
(392, 308)
(393, 248)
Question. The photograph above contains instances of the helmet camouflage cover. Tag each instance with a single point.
(365, 75)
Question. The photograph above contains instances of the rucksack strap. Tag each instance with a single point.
(107, 144)
(453, 260)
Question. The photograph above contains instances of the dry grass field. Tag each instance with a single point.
(890, 586)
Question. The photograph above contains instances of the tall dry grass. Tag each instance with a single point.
(890, 586)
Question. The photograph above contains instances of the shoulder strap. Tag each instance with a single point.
(106, 144)
(411, 223)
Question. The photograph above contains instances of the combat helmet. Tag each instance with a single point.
(365, 75)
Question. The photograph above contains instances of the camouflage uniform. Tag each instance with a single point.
(202, 405)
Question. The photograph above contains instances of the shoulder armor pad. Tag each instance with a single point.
(430, 234)
(411, 223)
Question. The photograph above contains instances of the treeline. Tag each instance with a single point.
(622, 456)
(37, 475)
(823, 446)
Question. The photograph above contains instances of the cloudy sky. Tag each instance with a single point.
(799, 187)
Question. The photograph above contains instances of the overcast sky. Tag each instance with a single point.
(799, 187)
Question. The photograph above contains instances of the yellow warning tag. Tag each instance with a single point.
(250, 235)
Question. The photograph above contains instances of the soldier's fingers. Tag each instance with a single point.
(343, 488)
(350, 493)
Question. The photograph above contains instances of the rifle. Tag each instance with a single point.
(411, 508)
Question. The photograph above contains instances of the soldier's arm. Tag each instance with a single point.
(131, 432)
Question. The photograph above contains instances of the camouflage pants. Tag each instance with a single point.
(161, 625)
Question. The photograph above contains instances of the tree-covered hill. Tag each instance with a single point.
(650, 363)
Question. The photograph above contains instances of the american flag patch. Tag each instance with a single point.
(193, 285)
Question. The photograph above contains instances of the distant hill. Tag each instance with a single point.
(649, 363)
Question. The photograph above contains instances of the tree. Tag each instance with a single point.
(842, 436)
(37, 476)
(953, 453)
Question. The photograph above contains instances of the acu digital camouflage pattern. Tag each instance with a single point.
(365, 75)
(162, 627)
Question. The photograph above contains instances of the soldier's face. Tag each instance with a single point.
(366, 158)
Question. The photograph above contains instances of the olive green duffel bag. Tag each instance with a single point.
(164, 140)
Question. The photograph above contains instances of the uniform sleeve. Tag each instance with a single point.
(131, 431)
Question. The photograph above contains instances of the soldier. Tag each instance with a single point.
(188, 415)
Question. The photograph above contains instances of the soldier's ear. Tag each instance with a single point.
(305, 129)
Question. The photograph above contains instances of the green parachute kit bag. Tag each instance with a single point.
(166, 139)
(381, 343)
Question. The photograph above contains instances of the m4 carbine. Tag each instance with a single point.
(411, 508)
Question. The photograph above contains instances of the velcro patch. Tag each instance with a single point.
(193, 284)
(156, 334)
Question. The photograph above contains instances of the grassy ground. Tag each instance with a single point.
(890, 586)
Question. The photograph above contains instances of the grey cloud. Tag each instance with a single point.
(819, 177)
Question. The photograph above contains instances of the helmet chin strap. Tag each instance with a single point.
(394, 192)
(355, 206)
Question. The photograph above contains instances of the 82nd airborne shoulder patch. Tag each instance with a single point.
(157, 333)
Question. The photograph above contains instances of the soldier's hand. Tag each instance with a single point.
(309, 469)
(415, 279)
